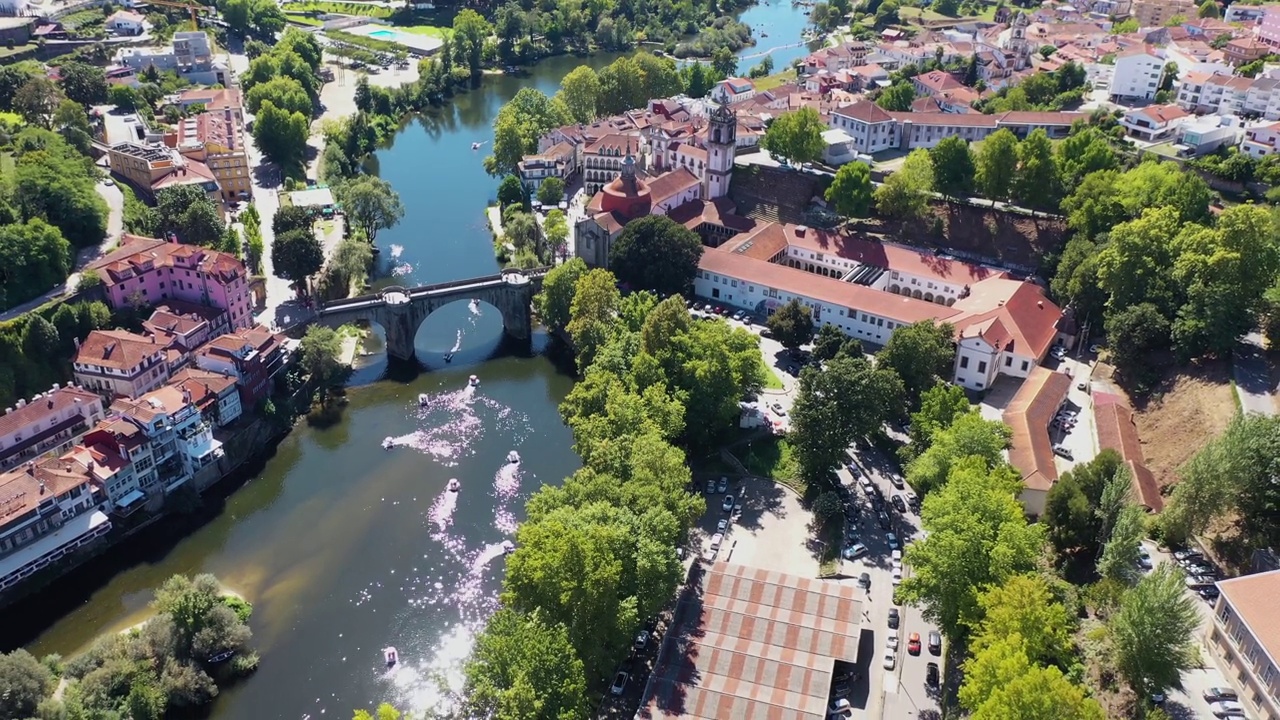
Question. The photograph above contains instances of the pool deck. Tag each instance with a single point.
(422, 44)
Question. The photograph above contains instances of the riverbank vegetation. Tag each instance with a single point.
(197, 641)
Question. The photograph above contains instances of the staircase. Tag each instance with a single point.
(773, 194)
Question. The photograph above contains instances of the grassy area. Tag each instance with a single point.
(832, 539)
(769, 82)
(17, 50)
(773, 458)
(428, 30)
(302, 19)
(771, 381)
(76, 20)
(340, 8)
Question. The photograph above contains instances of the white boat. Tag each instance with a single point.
(454, 485)
(475, 146)
(508, 547)
(474, 381)
(423, 398)
(513, 457)
(388, 443)
(390, 655)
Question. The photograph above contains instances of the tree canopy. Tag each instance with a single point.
(658, 254)
(791, 324)
(850, 191)
(371, 204)
(796, 137)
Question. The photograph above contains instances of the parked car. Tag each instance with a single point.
(728, 503)
(931, 674)
(1195, 582)
(1219, 694)
(884, 520)
(913, 643)
(896, 574)
(716, 541)
(899, 504)
(854, 551)
(913, 502)
(619, 683)
(892, 540)
(853, 469)
(723, 486)
(839, 707)
(711, 486)
(722, 525)
(1226, 708)
(1144, 562)
(896, 481)
(935, 642)
(894, 618)
(642, 640)
(864, 581)
(891, 639)
(1061, 450)
(1095, 349)
(1182, 555)
(1209, 592)
(778, 409)
(890, 658)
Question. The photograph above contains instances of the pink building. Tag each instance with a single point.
(152, 271)
(1269, 29)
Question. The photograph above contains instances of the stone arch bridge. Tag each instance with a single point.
(400, 311)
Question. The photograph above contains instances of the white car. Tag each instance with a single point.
(855, 551)
(840, 707)
(892, 540)
(1226, 709)
(891, 640)
(777, 409)
(722, 525)
(897, 575)
(716, 540)
(897, 557)
(890, 658)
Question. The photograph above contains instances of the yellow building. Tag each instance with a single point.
(216, 138)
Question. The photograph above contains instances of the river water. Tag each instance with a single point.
(345, 547)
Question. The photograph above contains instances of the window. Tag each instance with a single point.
(1025, 365)
(982, 366)
(1008, 362)
(964, 361)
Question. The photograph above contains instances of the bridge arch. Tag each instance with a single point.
(400, 310)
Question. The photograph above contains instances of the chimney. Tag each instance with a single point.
(1040, 303)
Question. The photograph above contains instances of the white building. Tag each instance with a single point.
(126, 22)
(181, 439)
(1154, 122)
(733, 90)
(1203, 135)
(1261, 141)
(49, 423)
(47, 511)
(1137, 74)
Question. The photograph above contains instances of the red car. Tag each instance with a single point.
(913, 644)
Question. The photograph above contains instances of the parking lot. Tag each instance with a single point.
(769, 529)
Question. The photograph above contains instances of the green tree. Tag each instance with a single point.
(551, 191)
(977, 537)
(292, 217)
(969, 438)
(1001, 661)
(1085, 151)
(54, 182)
(281, 135)
(296, 255)
(847, 399)
(510, 192)
(897, 97)
(592, 313)
(554, 302)
(1151, 633)
(470, 30)
(83, 83)
(887, 14)
(1119, 559)
(320, 356)
(516, 652)
(187, 212)
(580, 94)
(850, 191)
(371, 204)
(519, 124)
(796, 137)
(1036, 183)
(1154, 184)
(791, 324)
(1094, 207)
(24, 683)
(125, 98)
(953, 168)
(940, 407)
(1209, 9)
(1042, 693)
(556, 229)
(1024, 605)
(997, 164)
(35, 257)
(724, 63)
(1136, 333)
(920, 353)
(283, 92)
(1137, 265)
(831, 342)
(905, 194)
(658, 254)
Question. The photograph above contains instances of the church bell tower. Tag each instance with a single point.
(721, 141)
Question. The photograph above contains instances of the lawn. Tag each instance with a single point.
(16, 50)
(773, 458)
(302, 19)
(429, 30)
(771, 381)
(769, 82)
(340, 8)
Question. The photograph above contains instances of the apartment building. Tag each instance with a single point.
(1244, 640)
(1155, 13)
(872, 129)
(1261, 141)
(50, 422)
(214, 394)
(190, 55)
(1137, 74)
(48, 509)
(180, 437)
(151, 168)
(120, 363)
(558, 161)
(216, 139)
(1243, 14)
(253, 357)
(602, 160)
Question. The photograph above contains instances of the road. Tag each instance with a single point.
(115, 226)
(1253, 376)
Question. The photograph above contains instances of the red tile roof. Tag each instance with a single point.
(1253, 599)
(1028, 320)
(1028, 415)
(867, 112)
(137, 255)
(670, 184)
(720, 211)
(119, 349)
(1117, 431)
(50, 403)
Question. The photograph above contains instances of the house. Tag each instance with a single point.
(47, 511)
(1028, 416)
(156, 271)
(214, 394)
(189, 329)
(180, 437)
(733, 90)
(874, 130)
(1244, 640)
(1154, 122)
(212, 100)
(190, 55)
(1243, 14)
(126, 22)
(1155, 13)
(215, 140)
(120, 363)
(1137, 74)
(151, 168)
(558, 161)
(837, 148)
(50, 422)
(1113, 421)
(1269, 26)
(253, 356)
(950, 94)
(602, 159)
(1203, 135)
(1261, 141)
(1240, 51)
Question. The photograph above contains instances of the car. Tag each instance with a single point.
(728, 503)
(894, 618)
(1157, 698)
(1058, 352)
(711, 486)
(864, 581)
(1226, 708)
(1062, 451)
(680, 553)
(899, 504)
(619, 683)
(709, 555)
(854, 551)
(737, 508)
(896, 556)
(913, 501)
(890, 659)
(935, 642)
(642, 640)
(1219, 694)
(897, 575)
(896, 481)
(722, 525)
(868, 487)
(1181, 555)
(1202, 569)
(738, 315)
(884, 520)
(778, 409)
(891, 639)
(723, 486)
(1209, 592)
(839, 706)
(913, 643)
(892, 540)
(1144, 562)
(853, 469)
(931, 674)
(1195, 582)
(716, 541)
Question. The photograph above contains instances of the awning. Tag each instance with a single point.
(130, 498)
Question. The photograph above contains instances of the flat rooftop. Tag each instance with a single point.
(753, 644)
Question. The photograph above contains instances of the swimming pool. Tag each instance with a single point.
(384, 34)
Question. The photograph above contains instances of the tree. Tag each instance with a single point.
(1119, 559)
(763, 68)
(969, 438)
(580, 93)
(796, 137)
(887, 14)
(1209, 9)
(1136, 333)
(1154, 184)
(1094, 207)
(35, 257)
(24, 683)
(920, 353)
(558, 287)
(658, 254)
(831, 342)
(384, 711)
(371, 204)
(470, 30)
(724, 63)
(187, 212)
(1042, 693)
(997, 164)
(556, 229)
(977, 537)
(847, 399)
(292, 217)
(791, 324)
(83, 83)
(516, 654)
(850, 191)
(592, 313)
(905, 193)
(1036, 183)
(55, 183)
(37, 100)
(295, 256)
(320, 356)
(125, 98)
(940, 407)
(1025, 606)
(349, 265)
(953, 169)
(551, 191)
(1137, 265)
(283, 92)
(281, 135)
(519, 124)
(1151, 633)
(897, 97)
(1083, 152)
(510, 192)
(623, 87)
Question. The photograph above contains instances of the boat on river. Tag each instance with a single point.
(508, 547)
(423, 398)
(388, 443)
(454, 485)
(473, 381)
(448, 357)
(390, 655)
(513, 457)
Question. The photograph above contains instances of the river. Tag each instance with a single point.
(344, 547)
